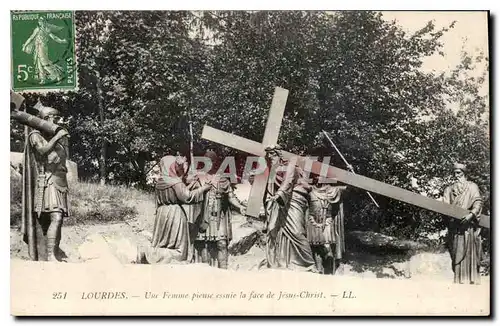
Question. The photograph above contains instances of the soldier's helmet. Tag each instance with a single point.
(45, 111)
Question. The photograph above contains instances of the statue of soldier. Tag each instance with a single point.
(325, 225)
(45, 191)
(213, 224)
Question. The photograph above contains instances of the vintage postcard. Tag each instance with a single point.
(332, 163)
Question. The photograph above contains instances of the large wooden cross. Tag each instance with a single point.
(271, 137)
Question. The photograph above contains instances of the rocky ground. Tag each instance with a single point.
(369, 254)
(247, 250)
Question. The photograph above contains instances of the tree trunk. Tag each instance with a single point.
(102, 156)
(141, 170)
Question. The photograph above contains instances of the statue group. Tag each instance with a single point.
(304, 219)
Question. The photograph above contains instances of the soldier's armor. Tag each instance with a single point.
(216, 213)
(52, 185)
(320, 220)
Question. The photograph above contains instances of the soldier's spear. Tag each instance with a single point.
(348, 165)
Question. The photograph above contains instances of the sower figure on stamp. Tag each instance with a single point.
(38, 45)
(45, 189)
(464, 235)
(285, 204)
(214, 221)
(170, 240)
(325, 225)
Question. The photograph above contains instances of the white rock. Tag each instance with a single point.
(431, 265)
(98, 248)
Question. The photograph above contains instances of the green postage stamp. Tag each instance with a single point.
(43, 50)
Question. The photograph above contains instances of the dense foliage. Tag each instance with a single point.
(143, 76)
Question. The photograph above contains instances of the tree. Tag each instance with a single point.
(94, 29)
(145, 76)
(352, 74)
(146, 62)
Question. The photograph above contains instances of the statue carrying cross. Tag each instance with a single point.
(271, 137)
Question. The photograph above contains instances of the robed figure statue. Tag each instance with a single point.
(285, 205)
(464, 235)
(170, 241)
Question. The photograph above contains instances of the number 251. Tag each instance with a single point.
(59, 295)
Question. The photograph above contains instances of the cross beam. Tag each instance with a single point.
(316, 167)
(271, 134)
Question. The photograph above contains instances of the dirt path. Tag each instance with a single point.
(138, 231)
(75, 235)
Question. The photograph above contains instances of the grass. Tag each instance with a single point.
(90, 203)
(16, 192)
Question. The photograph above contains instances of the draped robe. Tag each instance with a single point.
(293, 247)
(287, 245)
(465, 241)
(170, 234)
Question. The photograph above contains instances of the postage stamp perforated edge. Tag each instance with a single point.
(52, 88)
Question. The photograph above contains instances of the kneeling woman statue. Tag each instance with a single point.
(170, 240)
